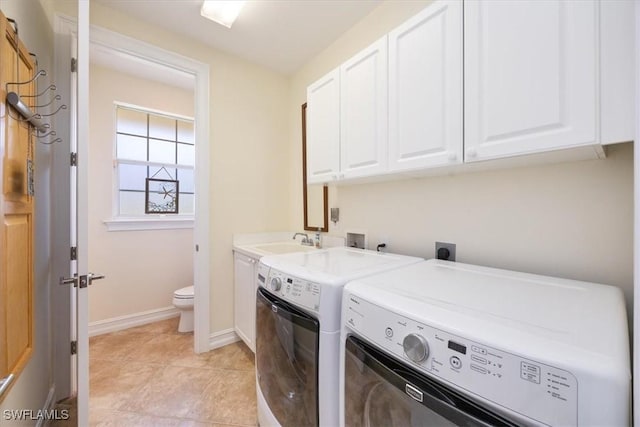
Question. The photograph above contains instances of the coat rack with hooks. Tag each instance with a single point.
(30, 113)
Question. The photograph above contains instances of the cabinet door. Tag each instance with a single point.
(425, 89)
(323, 129)
(530, 76)
(245, 299)
(363, 112)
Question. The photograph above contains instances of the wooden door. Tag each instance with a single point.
(363, 112)
(16, 208)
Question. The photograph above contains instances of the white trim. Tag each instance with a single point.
(222, 338)
(153, 111)
(136, 224)
(121, 44)
(636, 232)
(80, 209)
(49, 405)
(119, 323)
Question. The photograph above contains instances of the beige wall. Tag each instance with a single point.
(571, 220)
(142, 268)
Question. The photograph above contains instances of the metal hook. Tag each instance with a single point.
(35, 58)
(55, 98)
(50, 87)
(38, 75)
(15, 24)
(51, 142)
(50, 133)
(62, 107)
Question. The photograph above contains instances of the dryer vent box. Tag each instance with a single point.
(356, 240)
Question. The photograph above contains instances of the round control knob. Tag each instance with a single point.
(276, 284)
(415, 347)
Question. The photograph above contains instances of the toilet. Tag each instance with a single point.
(183, 301)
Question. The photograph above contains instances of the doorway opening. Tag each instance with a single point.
(140, 53)
(172, 79)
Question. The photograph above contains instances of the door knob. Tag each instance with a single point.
(82, 281)
(69, 280)
(89, 278)
(94, 276)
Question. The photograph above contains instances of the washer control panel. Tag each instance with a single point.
(297, 291)
(510, 381)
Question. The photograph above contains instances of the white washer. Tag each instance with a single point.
(453, 344)
(298, 331)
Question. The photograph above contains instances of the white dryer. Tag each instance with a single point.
(449, 344)
(298, 331)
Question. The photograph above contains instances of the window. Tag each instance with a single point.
(156, 146)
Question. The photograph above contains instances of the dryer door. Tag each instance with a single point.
(287, 360)
(380, 391)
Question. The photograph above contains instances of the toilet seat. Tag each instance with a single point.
(184, 293)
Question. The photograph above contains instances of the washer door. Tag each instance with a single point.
(287, 360)
(380, 391)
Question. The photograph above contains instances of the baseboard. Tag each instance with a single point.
(222, 338)
(130, 320)
(49, 405)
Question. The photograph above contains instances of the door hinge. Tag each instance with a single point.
(74, 253)
(74, 65)
(74, 159)
(74, 347)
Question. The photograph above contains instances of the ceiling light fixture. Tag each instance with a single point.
(224, 12)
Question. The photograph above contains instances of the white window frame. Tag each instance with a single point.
(119, 222)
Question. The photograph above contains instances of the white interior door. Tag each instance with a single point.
(81, 214)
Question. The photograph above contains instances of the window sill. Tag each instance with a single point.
(137, 224)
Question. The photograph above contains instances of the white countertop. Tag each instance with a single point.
(257, 245)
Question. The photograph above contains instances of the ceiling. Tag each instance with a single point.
(279, 34)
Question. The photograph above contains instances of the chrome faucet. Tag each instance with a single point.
(305, 240)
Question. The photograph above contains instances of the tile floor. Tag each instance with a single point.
(149, 376)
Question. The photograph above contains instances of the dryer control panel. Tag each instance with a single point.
(508, 381)
(295, 290)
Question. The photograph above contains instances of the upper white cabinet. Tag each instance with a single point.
(530, 76)
(323, 129)
(425, 89)
(508, 78)
(363, 112)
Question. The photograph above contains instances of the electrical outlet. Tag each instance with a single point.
(446, 251)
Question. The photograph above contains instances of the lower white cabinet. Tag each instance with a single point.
(245, 286)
